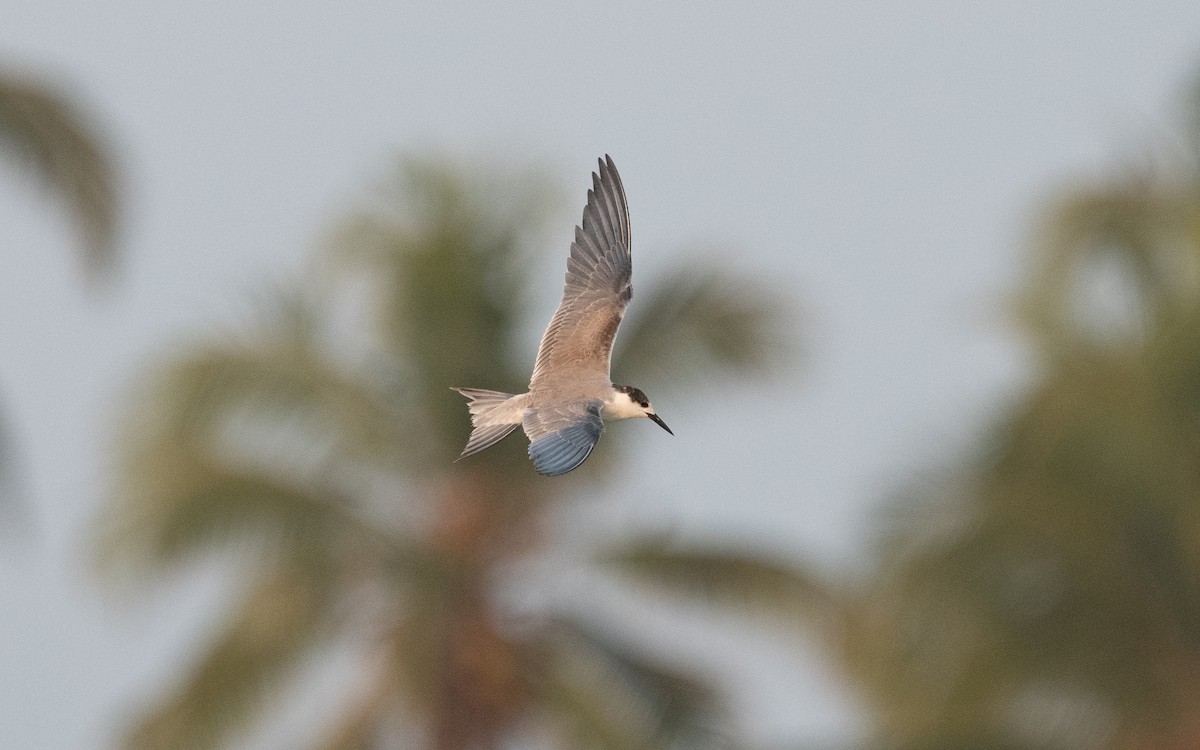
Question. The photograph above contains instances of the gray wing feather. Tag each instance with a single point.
(485, 437)
(597, 288)
(561, 438)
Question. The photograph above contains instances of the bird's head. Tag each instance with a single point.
(630, 402)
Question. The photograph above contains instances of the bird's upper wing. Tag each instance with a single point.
(561, 436)
(580, 335)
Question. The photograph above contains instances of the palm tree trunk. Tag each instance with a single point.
(473, 707)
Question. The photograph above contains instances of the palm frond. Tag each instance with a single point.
(982, 740)
(280, 621)
(177, 507)
(738, 581)
(13, 511)
(62, 146)
(281, 375)
(605, 695)
(361, 726)
(446, 251)
(703, 323)
(250, 440)
(1113, 262)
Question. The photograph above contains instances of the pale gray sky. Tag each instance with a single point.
(879, 160)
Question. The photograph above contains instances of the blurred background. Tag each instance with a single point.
(918, 289)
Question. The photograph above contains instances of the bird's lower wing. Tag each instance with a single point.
(560, 439)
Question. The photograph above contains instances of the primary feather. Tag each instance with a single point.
(598, 287)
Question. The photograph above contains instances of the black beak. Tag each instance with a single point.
(659, 422)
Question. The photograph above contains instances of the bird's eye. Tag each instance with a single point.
(645, 404)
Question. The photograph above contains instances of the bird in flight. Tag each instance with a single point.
(570, 394)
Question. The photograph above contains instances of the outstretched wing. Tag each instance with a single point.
(580, 335)
(561, 437)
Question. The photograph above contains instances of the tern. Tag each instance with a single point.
(570, 394)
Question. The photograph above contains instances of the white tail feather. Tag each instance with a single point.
(493, 416)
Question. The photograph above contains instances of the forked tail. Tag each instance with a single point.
(493, 415)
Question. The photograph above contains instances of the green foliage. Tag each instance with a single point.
(707, 317)
(60, 145)
(743, 580)
(54, 141)
(608, 696)
(1050, 594)
(281, 619)
(1138, 234)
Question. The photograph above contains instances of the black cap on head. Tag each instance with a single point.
(636, 395)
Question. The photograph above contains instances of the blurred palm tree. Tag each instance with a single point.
(317, 453)
(1045, 592)
(1054, 581)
